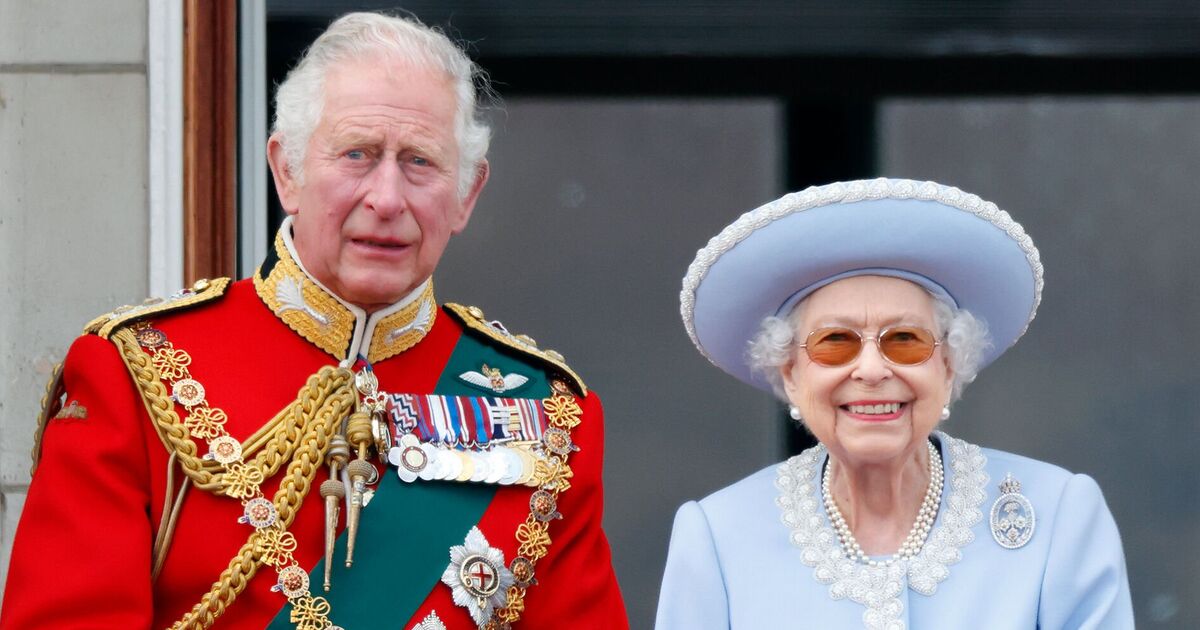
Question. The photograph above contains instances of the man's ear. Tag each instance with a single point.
(286, 185)
(467, 204)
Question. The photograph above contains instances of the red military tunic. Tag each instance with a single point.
(83, 551)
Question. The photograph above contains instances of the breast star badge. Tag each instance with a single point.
(430, 622)
(478, 577)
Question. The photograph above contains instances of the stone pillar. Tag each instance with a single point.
(73, 198)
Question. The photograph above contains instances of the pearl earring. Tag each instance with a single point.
(945, 412)
(794, 412)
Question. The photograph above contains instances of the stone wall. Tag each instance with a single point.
(73, 198)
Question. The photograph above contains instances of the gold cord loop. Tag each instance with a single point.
(300, 437)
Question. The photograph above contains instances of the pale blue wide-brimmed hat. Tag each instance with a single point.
(948, 241)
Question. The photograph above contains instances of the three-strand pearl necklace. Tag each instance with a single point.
(916, 536)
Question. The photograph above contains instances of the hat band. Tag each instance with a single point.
(929, 285)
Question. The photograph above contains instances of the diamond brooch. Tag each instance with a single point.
(1013, 518)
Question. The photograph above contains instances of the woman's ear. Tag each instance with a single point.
(786, 377)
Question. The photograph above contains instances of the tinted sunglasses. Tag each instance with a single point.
(901, 345)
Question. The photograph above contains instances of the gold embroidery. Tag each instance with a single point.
(303, 306)
(72, 411)
(405, 328)
(327, 323)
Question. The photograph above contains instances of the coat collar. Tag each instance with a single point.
(337, 327)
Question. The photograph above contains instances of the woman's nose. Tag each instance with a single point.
(870, 366)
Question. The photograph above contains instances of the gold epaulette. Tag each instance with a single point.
(202, 291)
(104, 326)
(472, 317)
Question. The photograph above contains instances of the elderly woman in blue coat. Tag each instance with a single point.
(867, 307)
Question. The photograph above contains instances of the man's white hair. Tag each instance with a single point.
(964, 336)
(299, 100)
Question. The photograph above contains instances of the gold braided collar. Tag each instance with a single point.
(333, 325)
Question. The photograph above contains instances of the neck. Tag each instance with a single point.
(881, 501)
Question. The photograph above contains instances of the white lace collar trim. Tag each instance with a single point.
(879, 588)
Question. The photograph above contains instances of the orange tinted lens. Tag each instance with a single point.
(833, 346)
(906, 346)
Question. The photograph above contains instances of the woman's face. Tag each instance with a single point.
(868, 411)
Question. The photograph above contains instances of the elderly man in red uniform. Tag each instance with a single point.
(322, 446)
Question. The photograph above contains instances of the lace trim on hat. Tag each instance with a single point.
(851, 192)
(879, 588)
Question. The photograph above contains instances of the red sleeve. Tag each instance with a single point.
(577, 587)
(81, 556)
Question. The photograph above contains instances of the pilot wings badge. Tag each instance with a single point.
(493, 379)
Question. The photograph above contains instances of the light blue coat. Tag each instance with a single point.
(761, 554)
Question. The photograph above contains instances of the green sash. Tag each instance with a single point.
(405, 534)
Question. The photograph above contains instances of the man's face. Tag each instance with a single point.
(379, 198)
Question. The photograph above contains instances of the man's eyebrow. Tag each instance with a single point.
(352, 137)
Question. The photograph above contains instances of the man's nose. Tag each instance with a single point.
(385, 189)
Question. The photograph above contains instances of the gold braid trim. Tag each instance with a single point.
(201, 292)
(51, 403)
(320, 408)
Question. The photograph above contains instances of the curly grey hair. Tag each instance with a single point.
(966, 339)
(300, 99)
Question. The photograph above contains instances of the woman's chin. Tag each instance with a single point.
(877, 443)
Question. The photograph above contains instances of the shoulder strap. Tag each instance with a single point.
(472, 318)
(201, 292)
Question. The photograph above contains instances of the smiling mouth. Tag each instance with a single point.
(874, 411)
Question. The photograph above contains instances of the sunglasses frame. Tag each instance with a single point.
(862, 341)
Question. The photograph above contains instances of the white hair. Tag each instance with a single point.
(300, 99)
(965, 338)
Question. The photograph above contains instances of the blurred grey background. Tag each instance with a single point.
(632, 132)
